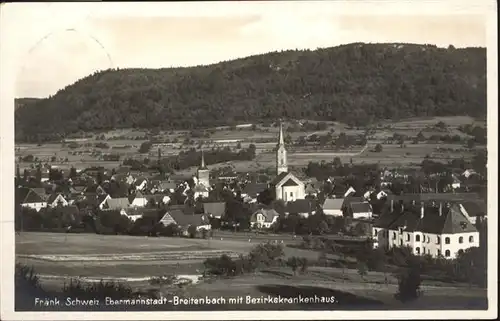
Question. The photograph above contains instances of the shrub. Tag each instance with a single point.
(362, 269)
(409, 284)
(293, 263)
(27, 274)
(266, 254)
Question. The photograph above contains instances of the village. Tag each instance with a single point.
(436, 214)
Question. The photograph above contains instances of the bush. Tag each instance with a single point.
(409, 284)
(27, 274)
(378, 148)
(266, 254)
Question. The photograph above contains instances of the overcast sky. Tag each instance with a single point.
(57, 44)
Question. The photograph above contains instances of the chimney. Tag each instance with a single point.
(440, 209)
(392, 205)
(422, 210)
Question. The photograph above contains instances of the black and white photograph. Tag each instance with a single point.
(249, 160)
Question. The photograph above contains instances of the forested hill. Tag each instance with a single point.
(355, 83)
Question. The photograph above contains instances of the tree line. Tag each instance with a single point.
(356, 84)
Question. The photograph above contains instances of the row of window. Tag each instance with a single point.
(427, 238)
(447, 253)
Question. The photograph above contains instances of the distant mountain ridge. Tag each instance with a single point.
(356, 83)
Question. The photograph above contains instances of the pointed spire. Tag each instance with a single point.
(281, 139)
(202, 159)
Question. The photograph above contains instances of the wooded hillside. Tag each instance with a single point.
(355, 83)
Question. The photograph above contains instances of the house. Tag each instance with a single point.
(360, 210)
(135, 213)
(382, 194)
(137, 200)
(350, 191)
(456, 183)
(57, 199)
(215, 210)
(94, 189)
(310, 189)
(253, 189)
(263, 218)
(40, 191)
(200, 190)
(303, 207)
(473, 210)
(26, 197)
(116, 204)
(436, 231)
(184, 220)
(76, 190)
(140, 183)
(468, 173)
(101, 200)
(158, 199)
(333, 206)
(166, 186)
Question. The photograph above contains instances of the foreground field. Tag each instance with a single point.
(133, 260)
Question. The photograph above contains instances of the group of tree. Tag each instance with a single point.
(355, 83)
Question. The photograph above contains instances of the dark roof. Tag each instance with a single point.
(333, 204)
(269, 214)
(27, 195)
(117, 203)
(474, 208)
(40, 191)
(450, 222)
(145, 212)
(216, 209)
(53, 197)
(253, 189)
(434, 197)
(279, 178)
(300, 206)
(387, 219)
(361, 207)
(185, 219)
(290, 182)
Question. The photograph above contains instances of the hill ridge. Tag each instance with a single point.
(354, 83)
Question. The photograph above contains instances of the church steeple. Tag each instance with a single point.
(202, 160)
(281, 161)
(281, 139)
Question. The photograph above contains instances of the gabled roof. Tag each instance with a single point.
(290, 182)
(269, 214)
(185, 219)
(53, 197)
(333, 204)
(28, 196)
(452, 221)
(474, 209)
(117, 203)
(386, 220)
(216, 209)
(361, 207)
(253, 189)
(300, 206)
(143, 212)
(40, 191)
(279, 178)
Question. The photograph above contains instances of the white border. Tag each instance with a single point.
(9, 65)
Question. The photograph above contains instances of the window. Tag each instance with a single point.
(393, 235)
(460, 240)
(375, 232)
(408, 237)
(447, 253)
(401, 242)
(438, 240)
(423, 238)
(428, 239)
(460, 252)
(417, 250)
(417, 238)
(447, 240)
(471, 239)
(439, 252)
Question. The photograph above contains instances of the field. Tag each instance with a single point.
(93, 257)
(126, 144)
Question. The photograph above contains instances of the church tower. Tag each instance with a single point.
(281, 162)
(203, 173)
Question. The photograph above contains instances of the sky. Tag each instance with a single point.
(58, 43)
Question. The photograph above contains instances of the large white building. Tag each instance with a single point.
(285, 185)
(202, 181)
(433, 230)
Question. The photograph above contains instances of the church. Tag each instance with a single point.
(286, 186)
(202, 180)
